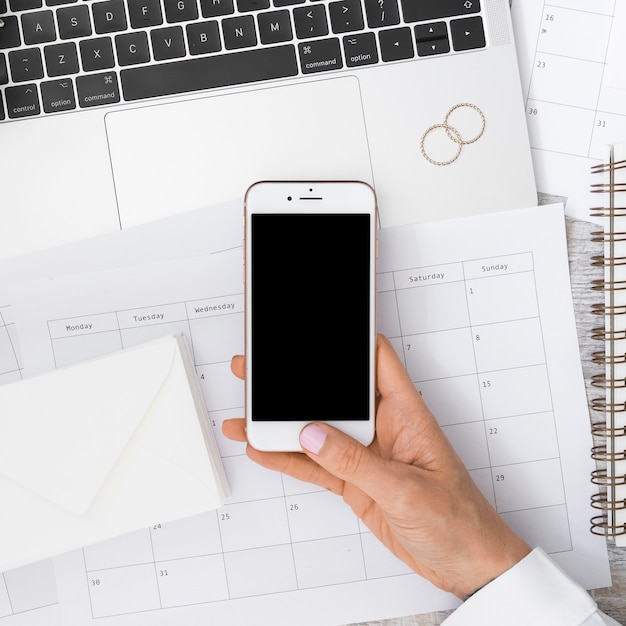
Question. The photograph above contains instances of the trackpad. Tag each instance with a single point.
(176, 157)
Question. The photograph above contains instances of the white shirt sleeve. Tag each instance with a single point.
(535, 591)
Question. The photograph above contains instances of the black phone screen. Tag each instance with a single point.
(310, 307)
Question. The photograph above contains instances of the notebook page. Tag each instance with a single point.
(478, 319)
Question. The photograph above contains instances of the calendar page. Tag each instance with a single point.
(479, 310)
(28, 595)
(573, 108)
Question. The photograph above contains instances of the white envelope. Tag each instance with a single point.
(102, 448)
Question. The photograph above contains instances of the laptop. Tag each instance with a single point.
(114, 113)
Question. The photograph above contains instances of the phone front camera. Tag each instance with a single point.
(289, 198)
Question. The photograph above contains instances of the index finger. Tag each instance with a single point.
(391, 375)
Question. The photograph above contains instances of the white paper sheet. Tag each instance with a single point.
(486, 328)
(571, 110)
(204, 231)
(616, 59)
(28, 594)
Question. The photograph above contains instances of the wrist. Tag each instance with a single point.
(487, 548)
(495, 560)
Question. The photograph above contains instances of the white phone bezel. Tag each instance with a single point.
(308, 197)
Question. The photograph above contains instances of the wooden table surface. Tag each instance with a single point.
(611, 600)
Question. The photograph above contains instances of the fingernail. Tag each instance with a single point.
(312, 438)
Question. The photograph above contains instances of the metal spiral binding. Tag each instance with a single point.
(607, 407)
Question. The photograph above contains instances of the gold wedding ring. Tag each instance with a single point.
(453, 134)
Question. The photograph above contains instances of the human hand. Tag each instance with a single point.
(409, 486)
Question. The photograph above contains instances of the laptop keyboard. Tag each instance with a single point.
(63, 55)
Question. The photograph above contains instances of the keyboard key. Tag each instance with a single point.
(382, 13)
(97, 54)
(1, 110)
(25, 65)
(144, 13)
(203, 37)
(22, 101)
(38, 27)
(360, 49)
(109, 16)
(61, 59)
(4, 71)
(24, 5)
(431, 32)
(215, 8)
(55, 3)
(10, 33)
(239, 32)
(346, 16)
(180, 10)
(467, 34)
(275, 27)
(425, 10)
(209, 72)
(432, 39)
(132, 48)
(97, 89)
(58, 95)
(431, 48)
(320, 55)
(396, 44)
(287, 3)
(3, 9)
(310, 21)
(74, 22)
(168, 43)
(243, 6)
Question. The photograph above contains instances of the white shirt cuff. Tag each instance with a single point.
(535, 591)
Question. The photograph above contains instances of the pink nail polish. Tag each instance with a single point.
(312, 438)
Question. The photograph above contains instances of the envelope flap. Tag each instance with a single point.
(62, 433)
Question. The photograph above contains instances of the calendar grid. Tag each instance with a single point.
(10, 367)
(471, 339)
(488, 459)
(27, 589)
(349, 539)
(478, 338)
(5, 592)
(558, 57)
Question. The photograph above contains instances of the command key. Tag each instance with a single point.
(97, 89)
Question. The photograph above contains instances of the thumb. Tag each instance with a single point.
(344, 457)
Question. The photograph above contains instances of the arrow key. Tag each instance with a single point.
(428, 32)
(467, 33)
(396, 44)
(432, 39)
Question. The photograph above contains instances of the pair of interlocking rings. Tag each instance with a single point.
(453, 134)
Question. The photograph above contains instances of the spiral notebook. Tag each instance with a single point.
(610, 428)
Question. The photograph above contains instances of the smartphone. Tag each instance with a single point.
(310, 302)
